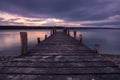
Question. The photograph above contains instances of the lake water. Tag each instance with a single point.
(10, 40)
(109, 40)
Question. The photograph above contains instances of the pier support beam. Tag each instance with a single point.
(97, 48)
(68, 32)
(51, 33)
(45, 36)
(65, 30)
(81, 38)
(54, 30)
(24, 43)
(75, 34)
(38, 40)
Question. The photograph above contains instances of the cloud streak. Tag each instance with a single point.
(12, 19)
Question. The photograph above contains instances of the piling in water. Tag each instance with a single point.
(45, 36)
(24, 43)
(38, 40)
(75, 34)
(51, 33)
(65, 30)
(81, 38)
(97, 48)
(68, 32)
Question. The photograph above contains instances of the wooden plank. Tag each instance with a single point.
(61, 65)
(29, 61)
(61, 58)
(61, 54)
(59, 77)
(60, 71)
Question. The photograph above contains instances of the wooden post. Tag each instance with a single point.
(45, 36)
(97, 48)
(81, 38)
(74, 34)
(53, 30)
(51, 33)
(24, 43)
(68, 32)
(65, 30)
(38, 39)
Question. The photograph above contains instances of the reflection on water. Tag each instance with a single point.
(10, 40)
(108, 39)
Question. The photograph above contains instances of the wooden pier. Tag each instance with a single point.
(60, 57)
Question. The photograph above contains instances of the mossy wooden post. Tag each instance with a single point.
(24, 43)
(81, 38)
(97, 48)
(38, 40)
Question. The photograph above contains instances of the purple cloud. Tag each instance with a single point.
(68, 10)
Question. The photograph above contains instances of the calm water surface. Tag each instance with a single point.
(10, 40)
(108, 39)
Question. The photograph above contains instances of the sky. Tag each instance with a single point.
(75, 13)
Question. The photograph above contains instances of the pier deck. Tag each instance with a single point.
(60, 57)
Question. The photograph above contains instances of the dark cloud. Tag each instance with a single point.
(36, 20)
(70, 10)
(103, 23)
(12, 20)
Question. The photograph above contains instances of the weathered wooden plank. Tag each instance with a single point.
(63, 71)
(59, 77)
(29, 61)
(62, 53)
(61, 59)
(62, 56)
(61, 65)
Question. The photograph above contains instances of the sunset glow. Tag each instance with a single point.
(13, 19)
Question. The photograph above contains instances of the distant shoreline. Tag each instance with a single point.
(47, 27)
